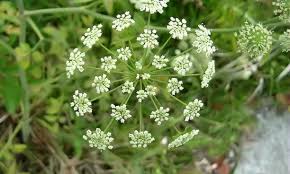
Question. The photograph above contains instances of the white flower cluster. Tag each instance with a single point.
(81, 104)
(151, 90)
(149, 70)
(203, 42)
(285, 41)
(282, 9)
(254, 40)
(174, 86)
(208, 74)
(160, 115)
(140, 139)
(182, 139)
(101, 83)
(192, 110)
(159, 61)
(124, 53)
(144, 76)
(151, 6)
(123, 21)
(182, 64)
(99, 139)
(177, 28)
(108, 63)
(141, 95)
(120, 113)
(74, 62)
(138, 65)
(148, 39)
(128, 87)
(92, 35)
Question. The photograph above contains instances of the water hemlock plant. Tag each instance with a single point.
(147, 72)
(141, 77)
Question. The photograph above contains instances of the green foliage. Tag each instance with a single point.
(56, 139)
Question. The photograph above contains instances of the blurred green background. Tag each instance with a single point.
(39, 132)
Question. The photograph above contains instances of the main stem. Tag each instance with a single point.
(22, 74)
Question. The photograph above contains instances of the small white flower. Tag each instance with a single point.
(138, 65)
(285, 41)
(151, 90)
(160, 115)
(208, 74)
(108, 63)
(92, 35)
(151, 6)
(120, 113)
(192, 110)
(99, 139)
(145, 76)
(81, 104)
(140, 139)
(75, 61)
(182, 139)
(159, 61)
(101, 83)
(254, 40)
(174, 86)
(182, 64)
(282, 9)
(128, 87)
(148, 39)
(123, 21)
(141, 95)
(177, 28)
(124, 53)
(203, 42)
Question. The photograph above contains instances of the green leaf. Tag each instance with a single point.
(11, 93)
(139, 21)
(54, 105)
(109, 4)
(18, 148)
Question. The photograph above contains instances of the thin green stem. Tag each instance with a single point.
(161, 29)
(148, 20)
(158, 103)
(160, 81)
(35, 28)
(278, 24)
(11, 137)
(184, 52)
(22, 73)
(156, 107)
(107, 49)
(163, 69)
(178, 100)
(224, 30)
(109, 124)
(92, 67)
(177, 130)
(140, 111)
(100, 96)
(128, 66)
(174, 75)
(69, 10)
(119, 80)
(164, 45)
(7, 47)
